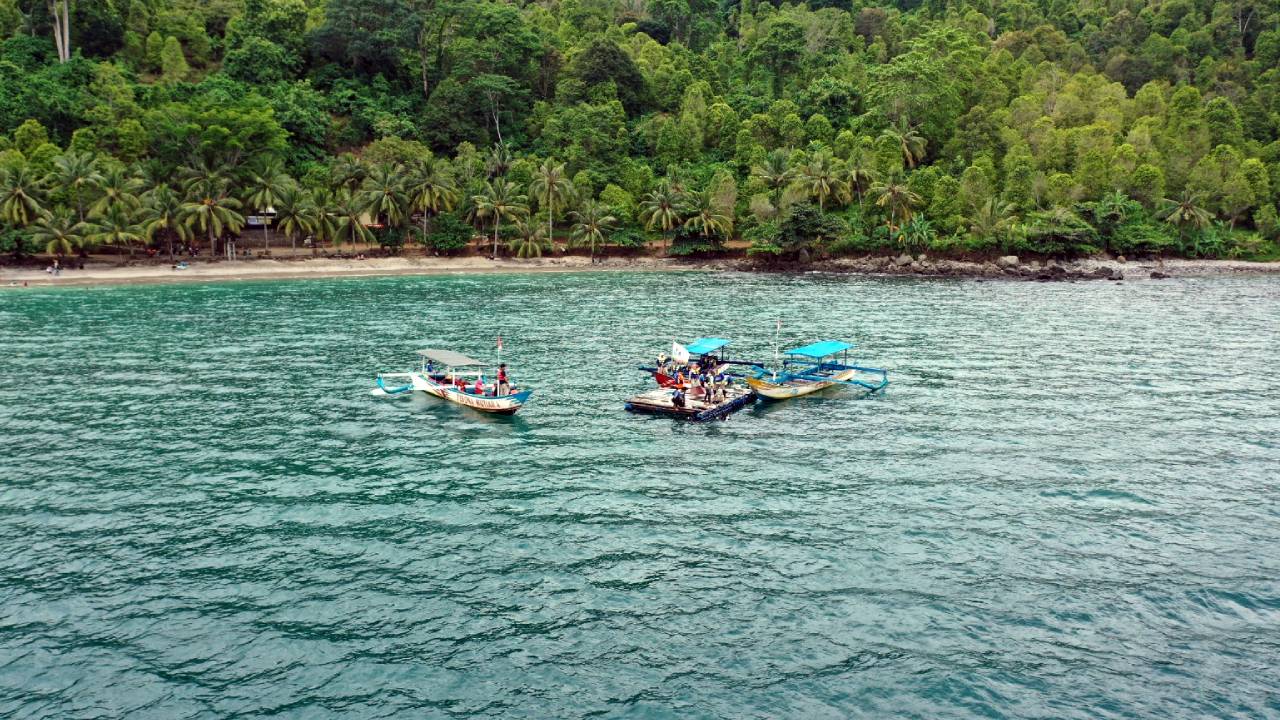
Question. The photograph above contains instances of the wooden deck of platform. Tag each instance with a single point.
(658, 402)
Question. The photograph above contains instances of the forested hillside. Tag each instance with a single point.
(1044, 126)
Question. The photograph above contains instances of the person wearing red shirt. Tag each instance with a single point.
(504, 384)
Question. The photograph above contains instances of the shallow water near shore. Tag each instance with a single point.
(1063, 506)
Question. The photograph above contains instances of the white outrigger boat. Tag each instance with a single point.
(814, 367)
(452, 376)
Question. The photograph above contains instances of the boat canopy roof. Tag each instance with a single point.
(449, 357)
(702, 346)
(821, 349)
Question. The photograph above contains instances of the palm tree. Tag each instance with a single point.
(529, 241)
(910, 141)
(162, 212)
(859, 174)
(264, 182)
(500, 201)
(821, 179)
(498, 161)
(59, 232)
(117, 226)
(118, 187)
(430, 191)
(385, 195)
(20, 196)
(991, 219)
(776, 173)
(152, 172)
(211, 209)
(347, 171)
(662, 208)
(323, 219)
(203, 170)
(551, 182)
(77, 172)
(1185, 212)
(348, 213)
(1114, 207)
(706, 218)
(897, 200)
(590, 225)
(294, 213)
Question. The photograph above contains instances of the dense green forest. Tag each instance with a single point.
(826, 127)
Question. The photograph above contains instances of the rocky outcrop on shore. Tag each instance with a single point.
(1009, 267)
(1012, 267)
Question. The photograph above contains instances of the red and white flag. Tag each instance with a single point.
(499, 342)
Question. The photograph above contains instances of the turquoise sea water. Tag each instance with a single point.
(1065, 505)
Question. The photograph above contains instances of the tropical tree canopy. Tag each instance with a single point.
(995, 124)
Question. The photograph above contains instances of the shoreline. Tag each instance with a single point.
(1006, 268)
(301, 269)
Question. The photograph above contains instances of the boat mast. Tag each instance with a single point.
(777, 332)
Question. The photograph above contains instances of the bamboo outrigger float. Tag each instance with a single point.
(813, 367)
(446, 374)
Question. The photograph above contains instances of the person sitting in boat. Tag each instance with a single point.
(677, 398)
(504, 384)
(680, 378)
(478, 388)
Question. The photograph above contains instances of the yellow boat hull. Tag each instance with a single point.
(794, 388)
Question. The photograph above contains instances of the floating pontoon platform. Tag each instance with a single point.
(658, 402)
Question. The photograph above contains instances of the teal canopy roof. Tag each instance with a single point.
(702, 346)
(821, 349)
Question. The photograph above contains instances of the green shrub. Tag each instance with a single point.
(1250, 246)
(765, 237)
(858, 243)
(804, 227)
(1143, 237)
(627, 236)
(974, 244)
(953, 242)
(449, 233)
(1058, 232)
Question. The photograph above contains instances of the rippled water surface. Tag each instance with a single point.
(1065, 505)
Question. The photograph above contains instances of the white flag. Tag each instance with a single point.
(679, 353)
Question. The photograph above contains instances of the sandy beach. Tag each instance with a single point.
(102, 273)
(266, 269)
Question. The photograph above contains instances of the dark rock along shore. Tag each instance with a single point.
(1006, 267)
